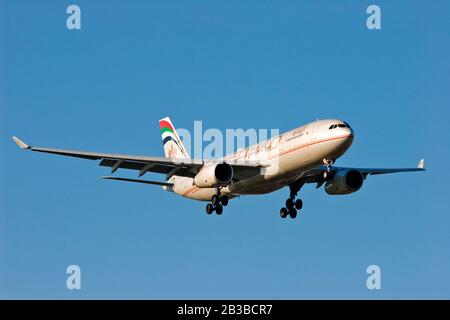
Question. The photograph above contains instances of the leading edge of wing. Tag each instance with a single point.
(373, 171)
(99, 155)
(311, 175)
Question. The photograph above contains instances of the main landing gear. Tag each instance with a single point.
(292, 205)
(217, 203)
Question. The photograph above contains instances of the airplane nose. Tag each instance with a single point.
(350, 131)
(348, 128)
(350, 137)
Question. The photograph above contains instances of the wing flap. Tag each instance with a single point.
(158, 183)
(142, 167)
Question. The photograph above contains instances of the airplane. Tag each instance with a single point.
(304, 155)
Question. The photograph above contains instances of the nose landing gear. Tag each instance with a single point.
(327, 174)
(217, 203)
(292, 205)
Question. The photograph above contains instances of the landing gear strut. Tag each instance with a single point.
(217, 203)
(292, 204)
(328, 162)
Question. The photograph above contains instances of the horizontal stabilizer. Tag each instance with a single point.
(158, 183)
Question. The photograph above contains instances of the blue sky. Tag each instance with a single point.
(232, 64)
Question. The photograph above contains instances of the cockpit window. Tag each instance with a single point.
(339, 125)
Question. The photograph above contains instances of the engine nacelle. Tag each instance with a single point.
(214, 175)
(345, 182)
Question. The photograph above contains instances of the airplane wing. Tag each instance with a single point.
(158, 183)
(143, 164)
(316, 175)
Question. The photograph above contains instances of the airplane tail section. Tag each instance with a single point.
(173, 147)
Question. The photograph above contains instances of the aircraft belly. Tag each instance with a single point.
(285, 168)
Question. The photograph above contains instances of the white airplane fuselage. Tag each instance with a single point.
(286, 158)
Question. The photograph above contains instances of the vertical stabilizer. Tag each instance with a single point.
(173, 147)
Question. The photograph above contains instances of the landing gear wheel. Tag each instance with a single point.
(217, 203)
(224, 200)
(292, 203)
(209, 208)
(289, 203)
(219, 209)
(293, 213)
(283, 212)
(215, 200)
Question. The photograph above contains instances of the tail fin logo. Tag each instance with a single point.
(173, 147)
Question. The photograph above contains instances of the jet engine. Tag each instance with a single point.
(214, 175)
(345, 182)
